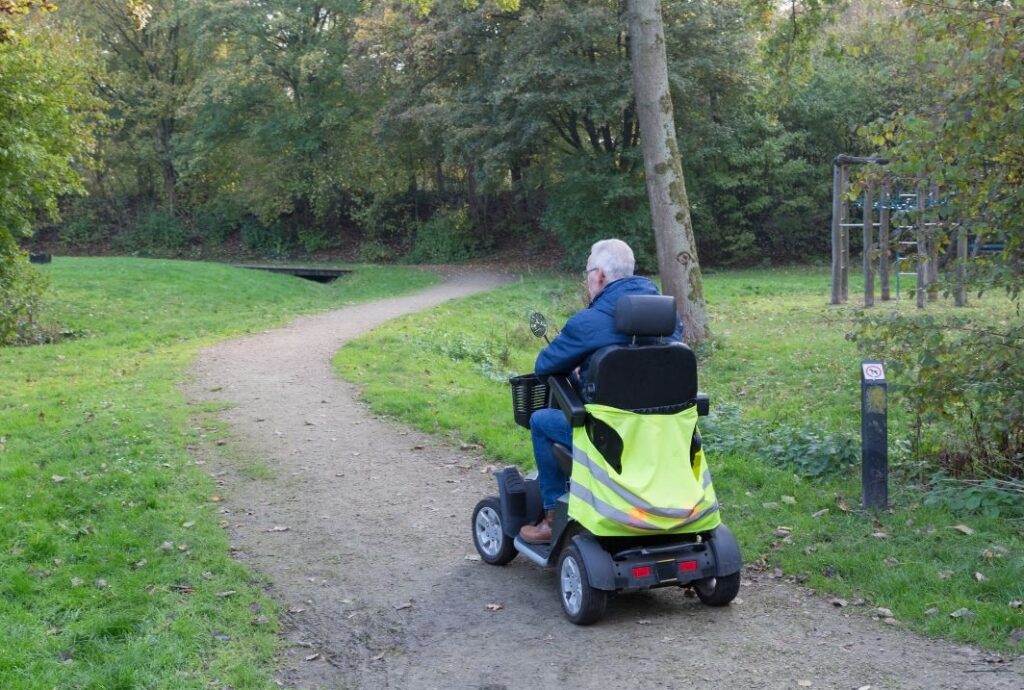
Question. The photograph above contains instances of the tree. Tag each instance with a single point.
(677, 252)
(45, 132)
(151, 64)
(666, 186)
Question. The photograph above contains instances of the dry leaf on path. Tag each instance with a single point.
(495, 607)
(278, 528)
(406, 605)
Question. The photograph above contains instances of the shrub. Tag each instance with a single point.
(154, 230)
(21, 290)
(448, 237)
(592, 201)
(963, 383)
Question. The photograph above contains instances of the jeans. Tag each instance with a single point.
(548, 426)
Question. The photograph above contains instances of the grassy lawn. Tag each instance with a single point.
(114, 571)
(783, 441)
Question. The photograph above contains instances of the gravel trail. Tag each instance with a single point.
(362, 527)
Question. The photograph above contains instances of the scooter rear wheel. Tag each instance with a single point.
(718, 591)
(581, 603)
(489, 538)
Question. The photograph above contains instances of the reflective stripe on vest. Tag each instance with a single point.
(602, 476)
(604, 510)
(607, 511)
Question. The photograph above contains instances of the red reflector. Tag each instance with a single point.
(642, 571)
(688, 566)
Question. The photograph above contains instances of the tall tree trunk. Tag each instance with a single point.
(666, 188)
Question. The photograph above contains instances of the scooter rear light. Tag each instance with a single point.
(688, 566)
(642, 571)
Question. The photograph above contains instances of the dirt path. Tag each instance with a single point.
(362, 527)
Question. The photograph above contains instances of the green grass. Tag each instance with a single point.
(113, 567)
(784, 383)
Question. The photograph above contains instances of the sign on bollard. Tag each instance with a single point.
(874, 431)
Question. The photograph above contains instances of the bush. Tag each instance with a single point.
(591, 202)
(448, 237)
(964, 386)
(155, 230)
(21, 290)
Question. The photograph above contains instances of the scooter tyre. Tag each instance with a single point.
(494, 546)
(718, 591)
(581, 603)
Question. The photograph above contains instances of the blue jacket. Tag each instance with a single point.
(589, 330)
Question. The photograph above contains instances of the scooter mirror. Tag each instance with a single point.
(538, 324)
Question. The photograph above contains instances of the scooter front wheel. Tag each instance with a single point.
(581, 603)
(489, 538)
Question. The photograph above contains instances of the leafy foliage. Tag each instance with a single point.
(964, 384)
(808, 450)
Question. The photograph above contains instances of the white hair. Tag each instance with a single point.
(614, 258)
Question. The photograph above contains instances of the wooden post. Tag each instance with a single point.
(844, 234)
(883, 238)
(869, 234)
(922, 252)
(837, 255)
(961, 266)
(933, 248)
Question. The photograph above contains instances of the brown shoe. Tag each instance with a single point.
(539, 533)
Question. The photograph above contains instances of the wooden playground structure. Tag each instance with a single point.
(903, 235)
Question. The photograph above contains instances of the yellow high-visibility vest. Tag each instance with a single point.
(655, 490)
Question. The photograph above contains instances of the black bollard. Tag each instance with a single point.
(874, 432)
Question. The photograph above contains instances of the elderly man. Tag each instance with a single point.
(609, 277)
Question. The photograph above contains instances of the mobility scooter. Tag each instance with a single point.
(639, 511)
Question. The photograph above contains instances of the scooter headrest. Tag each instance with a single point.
(646, 315)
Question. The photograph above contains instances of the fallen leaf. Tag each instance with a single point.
(891, 562)
(945, 574)
(311, 657)
(880, 535)
(190, 523)
(963, 529)
(221, 637)
(406, 605)
(1016, 636)
(57, 479)
(473, 557)
(100, 584)
(379, 657)
(820, 513)
(1016, 604)
(836, 601)
(844, 506)
(226, 594)
(495, 607)
(980, 577)
(966, 614)
(139, 564)
(804, 683)
(771, 505)
(216, 499)
(77, 582)
(891, 621)
(932, 612)
(883, 612)
(278, 528)
(643, 621)
(789, 500)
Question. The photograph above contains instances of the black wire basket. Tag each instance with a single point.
(529, 394)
